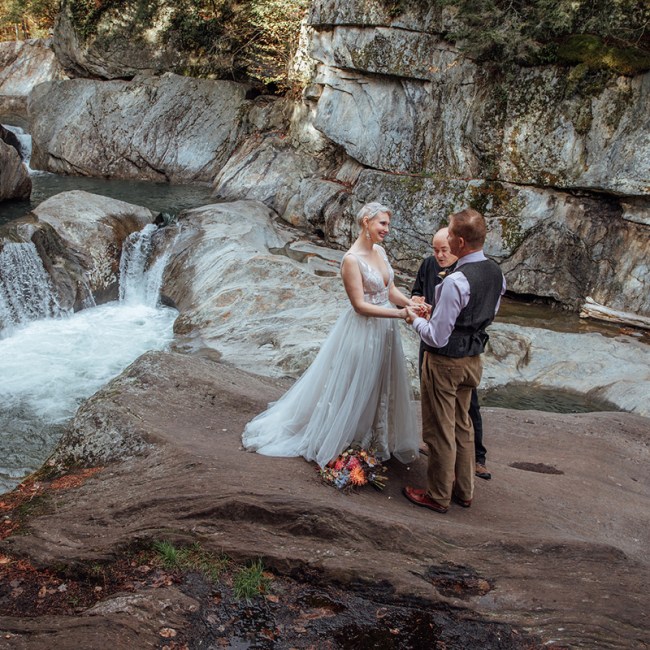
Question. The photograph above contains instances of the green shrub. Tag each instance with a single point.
(604, 34)
(21, 19)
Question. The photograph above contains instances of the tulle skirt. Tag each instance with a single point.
(356, 391)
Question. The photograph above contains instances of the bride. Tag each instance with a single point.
(356, 390)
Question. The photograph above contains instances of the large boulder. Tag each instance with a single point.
(167, 128)
(123, 42)
(286, 178)
(24, 65)
(79, 238)
(214, 40)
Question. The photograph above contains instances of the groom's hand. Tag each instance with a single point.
(411, 315)
(422, 309)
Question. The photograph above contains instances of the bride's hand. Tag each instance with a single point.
(411, 315)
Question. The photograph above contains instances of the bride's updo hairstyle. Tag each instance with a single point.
(371, 210)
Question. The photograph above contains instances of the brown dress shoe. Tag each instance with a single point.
(482, 472)
(421, 498)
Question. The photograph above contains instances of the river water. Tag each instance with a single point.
(50, 361)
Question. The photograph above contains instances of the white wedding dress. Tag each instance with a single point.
(356, 391)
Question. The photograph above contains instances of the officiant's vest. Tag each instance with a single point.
(468, 338)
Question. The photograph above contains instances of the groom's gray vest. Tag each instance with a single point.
(468, 338)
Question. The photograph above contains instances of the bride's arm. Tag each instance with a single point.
(354, 288)
(397, 297)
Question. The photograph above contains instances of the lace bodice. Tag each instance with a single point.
(374, 289)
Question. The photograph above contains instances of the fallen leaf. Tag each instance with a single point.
(272, 598)
(167, 632)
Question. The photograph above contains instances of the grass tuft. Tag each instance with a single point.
(191, 558)
(251, 581)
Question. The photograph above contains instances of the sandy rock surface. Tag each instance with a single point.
(560, 550)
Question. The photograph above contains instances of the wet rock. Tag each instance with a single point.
(93, 229)
(121, 621)
(588, 363)
(15, 182)
(229, 269)
(235, 268)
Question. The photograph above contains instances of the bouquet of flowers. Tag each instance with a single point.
(354, 468)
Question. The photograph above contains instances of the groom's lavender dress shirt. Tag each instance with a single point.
(452, 295)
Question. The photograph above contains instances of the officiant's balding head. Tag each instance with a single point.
(441, 250)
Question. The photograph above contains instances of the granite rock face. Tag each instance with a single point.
(167, 128)
(408, 102)
(264, 298)
(558, 158)
(533, 551)
(251, 289)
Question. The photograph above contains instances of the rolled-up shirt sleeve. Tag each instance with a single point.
(452, 296)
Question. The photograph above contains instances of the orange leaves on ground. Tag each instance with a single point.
(29, 489)
(74, 479)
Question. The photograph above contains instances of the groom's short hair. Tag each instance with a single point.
(470, 225)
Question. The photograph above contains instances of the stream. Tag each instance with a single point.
(51, 360)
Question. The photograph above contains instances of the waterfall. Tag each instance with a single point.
(25, 289)
(48, 366)
(141, 279)
(26, 292)
(25, 144)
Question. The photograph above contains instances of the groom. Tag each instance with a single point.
(465, 304)
(430, 274)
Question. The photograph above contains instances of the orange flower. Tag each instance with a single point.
(357, 476)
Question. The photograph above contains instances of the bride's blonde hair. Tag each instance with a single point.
(371, 210)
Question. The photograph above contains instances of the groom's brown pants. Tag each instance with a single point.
(447, 430)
